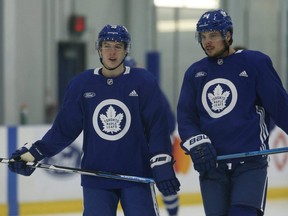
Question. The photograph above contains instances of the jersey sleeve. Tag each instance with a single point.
(170, 115)
(154, 117)
(187, 117)
(67, 125)
(271, 92)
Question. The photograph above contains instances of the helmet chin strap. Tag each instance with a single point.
(108, 68)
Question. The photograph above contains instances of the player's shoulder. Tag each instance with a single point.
(84, 74)
(137, 71)
(141, 74)
(198, 67)
(82, 78)
(253, 55)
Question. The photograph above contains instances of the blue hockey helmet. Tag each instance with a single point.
(214, 20)
(117, 33)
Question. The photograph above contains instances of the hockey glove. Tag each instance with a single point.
(202, 152)
(27, 153)
(164, 175)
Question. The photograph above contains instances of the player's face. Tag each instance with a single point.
(112, 53)
(213, 44)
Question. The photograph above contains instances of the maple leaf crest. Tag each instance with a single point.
(111, 122)
(218, 98)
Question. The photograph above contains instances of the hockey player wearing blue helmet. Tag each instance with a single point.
(225, 105)
(125, 131)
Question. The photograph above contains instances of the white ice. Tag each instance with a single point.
(274, 207)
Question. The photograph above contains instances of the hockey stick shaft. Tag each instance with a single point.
(85, 172)
(253, 153)
(136, 178)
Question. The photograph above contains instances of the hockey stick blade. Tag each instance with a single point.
(85, 172)
(253, 153)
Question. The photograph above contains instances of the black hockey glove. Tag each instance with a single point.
(164, 175)
(27, 153)
(202, 152)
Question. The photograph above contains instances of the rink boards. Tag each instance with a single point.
(49, 192)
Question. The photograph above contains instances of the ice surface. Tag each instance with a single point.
(274, 207)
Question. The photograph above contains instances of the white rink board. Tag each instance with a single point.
(3, 167)
(189, 181)
(278, 166)
(44, 186)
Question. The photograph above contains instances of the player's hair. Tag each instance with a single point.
(117, 33)
(215, 20)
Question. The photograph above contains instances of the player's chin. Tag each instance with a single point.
(213, 54)
(111, 64)
(210, 54)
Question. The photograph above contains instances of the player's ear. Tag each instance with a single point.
(228, 36)
(99, 53)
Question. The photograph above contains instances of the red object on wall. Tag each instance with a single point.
(77, 24)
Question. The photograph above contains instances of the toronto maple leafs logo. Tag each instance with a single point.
(219, 97)
(111, 119)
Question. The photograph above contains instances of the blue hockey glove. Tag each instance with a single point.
(202, 152)
(164, 175)
(27, 153)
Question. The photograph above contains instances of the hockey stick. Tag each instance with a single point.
(84, 172)
(253, 153)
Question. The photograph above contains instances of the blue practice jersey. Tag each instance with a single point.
(123, 120)
(231, 100)
(170, 116)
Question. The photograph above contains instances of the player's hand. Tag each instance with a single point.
(202, 152)
(164, 175)
(18, 159)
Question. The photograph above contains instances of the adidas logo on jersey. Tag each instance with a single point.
(243, 74)
(133, 93)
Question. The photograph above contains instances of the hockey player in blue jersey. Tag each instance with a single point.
(125, 130)
(225, 104)
(171, 202)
